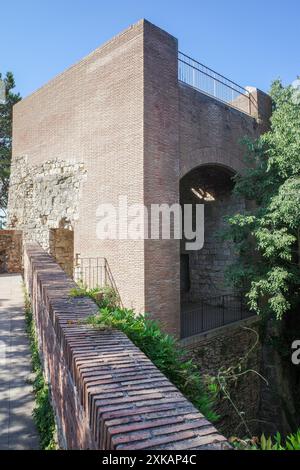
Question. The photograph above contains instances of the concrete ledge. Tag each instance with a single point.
(192, 341)
(106, 393)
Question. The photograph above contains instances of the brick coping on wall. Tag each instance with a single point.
(106, 393)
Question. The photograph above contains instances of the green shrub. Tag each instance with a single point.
(43, 413)
(105, 297)
(292, 442)
(162, 349)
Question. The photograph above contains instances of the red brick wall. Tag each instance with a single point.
(122, 113)
(211, 131)
(93, 113)
(161, 171)
(106, 393)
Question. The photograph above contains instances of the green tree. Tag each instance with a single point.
(270, 230)
(6, 104)
(267, 238)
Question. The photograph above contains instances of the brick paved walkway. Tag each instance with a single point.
(17, 430)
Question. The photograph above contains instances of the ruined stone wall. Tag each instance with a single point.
(221, 349)
(43, 197)
(61, 247)
(11, 251)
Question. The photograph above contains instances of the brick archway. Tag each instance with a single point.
(203, 271)
(211, 156)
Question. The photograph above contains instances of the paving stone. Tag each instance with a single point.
(17, 429)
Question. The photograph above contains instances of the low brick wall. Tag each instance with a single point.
(106, 393)
(11, 251)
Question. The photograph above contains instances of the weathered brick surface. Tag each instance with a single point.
(11, 251)
(106, 393)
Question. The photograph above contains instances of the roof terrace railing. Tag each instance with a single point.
(212, 83)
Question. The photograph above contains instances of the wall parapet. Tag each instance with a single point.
(106, 393)
(210, 82)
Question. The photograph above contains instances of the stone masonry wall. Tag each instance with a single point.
(208, 265)
(221, 349)
(11, 251)
(61, 247)
(106, 393)
(43, 197)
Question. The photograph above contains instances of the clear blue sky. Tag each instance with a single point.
(251, 42)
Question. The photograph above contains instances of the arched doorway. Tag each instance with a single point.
(203, 283)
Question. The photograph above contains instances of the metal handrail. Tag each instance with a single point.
(211, 70)
(220, 84)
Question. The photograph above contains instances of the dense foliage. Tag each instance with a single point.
(6, 137)
(161, 348)
(43, 412)
(270, 229)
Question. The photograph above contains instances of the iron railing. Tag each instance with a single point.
(93, 272)
(212, 83)
(212, 313)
